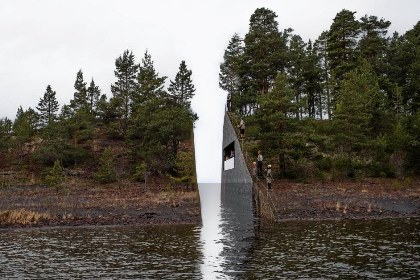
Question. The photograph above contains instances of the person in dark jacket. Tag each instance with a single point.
(229, 102)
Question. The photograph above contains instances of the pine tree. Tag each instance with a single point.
(312, 82)
(295, 69)
(79, 101)
(150, 85)
(106, 172)
(25, 124)
(342, 43)
(264, 53)
(104, 110)
(156, 136)
(373, 43)
(229, 75)
(93, 95)
(357, 109)
(320, 47)
(124, 88)
(182, 89)
(5, 132)
(277, 120)
(411, 91)
(55, 176)
(48, 107)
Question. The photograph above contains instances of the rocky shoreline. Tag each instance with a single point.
(84, 204)
(364, 199)
(94, 205)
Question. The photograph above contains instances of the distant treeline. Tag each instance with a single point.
(148, 121)
(346, 104)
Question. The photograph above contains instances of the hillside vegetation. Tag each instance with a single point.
(142, 131)
(344, 105)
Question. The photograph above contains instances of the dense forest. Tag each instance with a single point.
(343, 105)
(130, 135)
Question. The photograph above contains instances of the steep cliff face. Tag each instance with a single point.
(236, 180)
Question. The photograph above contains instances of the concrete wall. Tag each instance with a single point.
(237, 186)
(236, 182)
(240, 173)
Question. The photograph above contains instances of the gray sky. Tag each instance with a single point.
(47, 41)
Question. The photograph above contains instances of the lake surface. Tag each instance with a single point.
(229, 244)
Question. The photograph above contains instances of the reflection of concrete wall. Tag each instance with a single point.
(236, 182)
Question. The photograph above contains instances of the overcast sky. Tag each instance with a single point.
(47, 41)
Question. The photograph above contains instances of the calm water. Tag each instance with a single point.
(228, 245)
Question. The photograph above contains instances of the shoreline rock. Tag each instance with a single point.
(97, 205)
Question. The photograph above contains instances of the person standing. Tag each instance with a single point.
(269, 177)
(229, 102)
(242, 128)
(260, 164)
(254, 169)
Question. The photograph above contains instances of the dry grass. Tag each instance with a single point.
(22, 217)
(170, 197)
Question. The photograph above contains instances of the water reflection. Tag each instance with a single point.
(165, 252)
(227, 233)
(379, 249)
(228, 245)
(238, 225)
(211, 234)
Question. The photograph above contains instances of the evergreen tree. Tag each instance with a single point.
(411, 92)
(264, 55)
(320, 47)
(277, 121)
(124, 88)
(93, 96)
(25, 124)
(413, 149)
(104, 110)
(185, 169)
(182, 89)
(357, 109)
(396, 62)
(342, 43)
(150, 85)
(229, 75)
(5, 132)
(295, 70)
(55, 176)
(373, 43)
(155, 135)
(106, 172)
(403, 70)
(48, 107)
(24, 128)
(79, 101)
(312, 82)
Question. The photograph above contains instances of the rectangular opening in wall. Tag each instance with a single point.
(229, 156)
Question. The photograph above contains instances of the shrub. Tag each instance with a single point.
(140, 172)
(325, 163)
(106, 172)
(55, 176)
